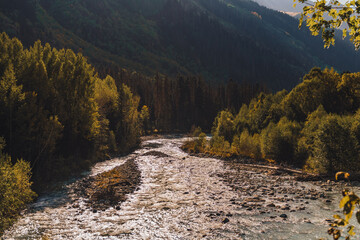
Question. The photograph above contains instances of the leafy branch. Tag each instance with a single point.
(348, 204)
(315, 15)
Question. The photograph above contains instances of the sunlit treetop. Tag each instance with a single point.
(324, 17)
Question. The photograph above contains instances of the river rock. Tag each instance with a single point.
(285, 208)
(226, 220)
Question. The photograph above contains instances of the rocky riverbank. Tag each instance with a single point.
(109, 189)
(184, 197)
(268, 195)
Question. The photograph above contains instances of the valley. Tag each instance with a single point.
(186, 197)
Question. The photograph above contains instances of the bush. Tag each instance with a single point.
(247, 145)
(15, 191)
(279, 141)
(335, 147)
(224, 125)
(200, 143)
(195, 131)
(220, 147)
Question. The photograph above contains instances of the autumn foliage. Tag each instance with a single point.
(315, 126)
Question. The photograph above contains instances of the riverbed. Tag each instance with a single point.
(187, 197)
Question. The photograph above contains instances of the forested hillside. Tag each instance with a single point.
(57, 113)
(315, 126)
(177, 104)
(220, 40)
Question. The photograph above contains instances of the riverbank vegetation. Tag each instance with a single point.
(15, 188)
(315, 126)
(176, 104)
(59, 116)
(57, 113)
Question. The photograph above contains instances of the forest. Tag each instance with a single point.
(180, 103)
(220, 40)
(59, 116)
(315, 126)
(82, 81)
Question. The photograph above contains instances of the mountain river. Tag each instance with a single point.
(187, 197)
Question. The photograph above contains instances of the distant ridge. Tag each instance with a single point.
(218, 39)
(282, 5)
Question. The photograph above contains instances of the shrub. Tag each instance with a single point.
(335, 147)
(200, 143)
(224, 125)
(247, 145)
(195, 131)
(15, 191)
(279, 141)
(219, 146)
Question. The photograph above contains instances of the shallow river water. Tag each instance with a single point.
(186, 197)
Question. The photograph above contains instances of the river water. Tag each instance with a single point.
(186, 197)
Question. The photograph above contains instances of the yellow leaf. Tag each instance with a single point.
(344, 201)
(351, 230)
(346, 175)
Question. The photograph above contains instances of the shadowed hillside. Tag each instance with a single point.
(220, 40)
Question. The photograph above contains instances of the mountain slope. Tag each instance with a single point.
(219, 39)
(281, 5)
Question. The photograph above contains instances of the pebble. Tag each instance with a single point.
(226, 220)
